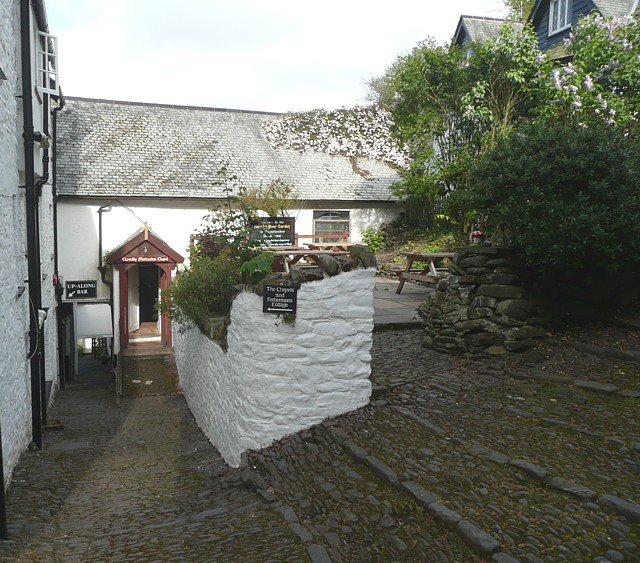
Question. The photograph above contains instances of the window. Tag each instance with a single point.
(559, 15)
(47, 64)
(331, 226)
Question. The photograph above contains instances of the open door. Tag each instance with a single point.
(134, 299)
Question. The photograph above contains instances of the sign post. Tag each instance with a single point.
(84, 289)
(279, 299)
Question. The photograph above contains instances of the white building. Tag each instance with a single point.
(123, 165)
(29, 360)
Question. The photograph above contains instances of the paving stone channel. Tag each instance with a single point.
(455, 459)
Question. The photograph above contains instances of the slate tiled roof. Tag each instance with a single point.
(614, 8)
(477, 29)
(123, 149)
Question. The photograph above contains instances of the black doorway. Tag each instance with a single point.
(149, 286)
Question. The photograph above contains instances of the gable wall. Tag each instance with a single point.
(541, 22)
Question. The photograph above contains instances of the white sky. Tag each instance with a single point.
(274, 55)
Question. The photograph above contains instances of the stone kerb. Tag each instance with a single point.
(483, 305)
(277, 378)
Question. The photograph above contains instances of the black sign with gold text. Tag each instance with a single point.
(275, 231)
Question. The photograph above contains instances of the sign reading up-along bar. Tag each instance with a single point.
(280, 300)
(84, 289)
(276, 231)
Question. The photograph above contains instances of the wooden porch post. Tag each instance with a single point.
(165, 321)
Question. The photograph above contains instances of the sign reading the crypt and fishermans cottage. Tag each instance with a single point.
(278, 299)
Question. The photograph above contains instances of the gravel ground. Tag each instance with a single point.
(455, 459)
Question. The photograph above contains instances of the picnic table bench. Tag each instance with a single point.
(429, 273)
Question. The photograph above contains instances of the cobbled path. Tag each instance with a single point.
(455, 459)
(135, 481)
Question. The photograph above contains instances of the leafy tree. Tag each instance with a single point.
(519, 10)
(449, 106)
(601, 81)
(568, 195)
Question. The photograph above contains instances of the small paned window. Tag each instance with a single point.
(559, 15)
(47, 64)
(330, 226)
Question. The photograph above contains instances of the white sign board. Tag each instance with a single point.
(92, 320)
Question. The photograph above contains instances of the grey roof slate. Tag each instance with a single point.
(479, 28)
(614, 8)
(123, 149)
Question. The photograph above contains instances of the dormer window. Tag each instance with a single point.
(559, 15)
(47, 63)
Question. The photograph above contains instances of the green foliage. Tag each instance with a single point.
(519, 10)
(450, 105)
(601, 82)
(223, 251)
(568, 195)
(373, 238)
(259, 266)
(276, 199)
(228, 228)
(203, 290)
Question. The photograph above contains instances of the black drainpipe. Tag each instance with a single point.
(59, 289)
(33, 249)
(4, 533)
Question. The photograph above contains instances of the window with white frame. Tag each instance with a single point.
(330, 226)
(559, 15)
(47, 63)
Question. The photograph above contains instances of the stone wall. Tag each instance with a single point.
(483, 306)
(278, 378)
(15, 402)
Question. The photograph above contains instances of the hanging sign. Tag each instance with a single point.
(145, 259)
(278, 299)
(85, 289)
(275, 231)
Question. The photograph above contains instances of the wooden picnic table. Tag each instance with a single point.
(329, 245)
(287, 258)
(429, 273)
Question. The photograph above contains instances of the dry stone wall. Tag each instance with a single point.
(277, 377)
(483, 305)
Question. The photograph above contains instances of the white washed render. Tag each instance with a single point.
(277, 379)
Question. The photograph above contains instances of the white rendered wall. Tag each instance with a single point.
(47, 267)
(15, 399)
(277, 379)
(172, 221)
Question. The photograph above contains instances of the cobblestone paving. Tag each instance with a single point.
(456, 459)
(135, 481)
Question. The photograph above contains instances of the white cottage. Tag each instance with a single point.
(28, 309)
(146, 173)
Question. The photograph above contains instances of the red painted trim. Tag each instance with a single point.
(131, 244)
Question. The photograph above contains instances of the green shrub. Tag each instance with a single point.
(569, 195)
(373, 238)
(206, 289)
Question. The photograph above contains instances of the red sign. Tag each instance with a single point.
(146, 259)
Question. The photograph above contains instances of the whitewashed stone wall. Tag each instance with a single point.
(15, 403)
(276, 378)
(47, 265)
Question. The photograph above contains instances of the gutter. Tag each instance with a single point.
(31, 207)
(102, 268)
